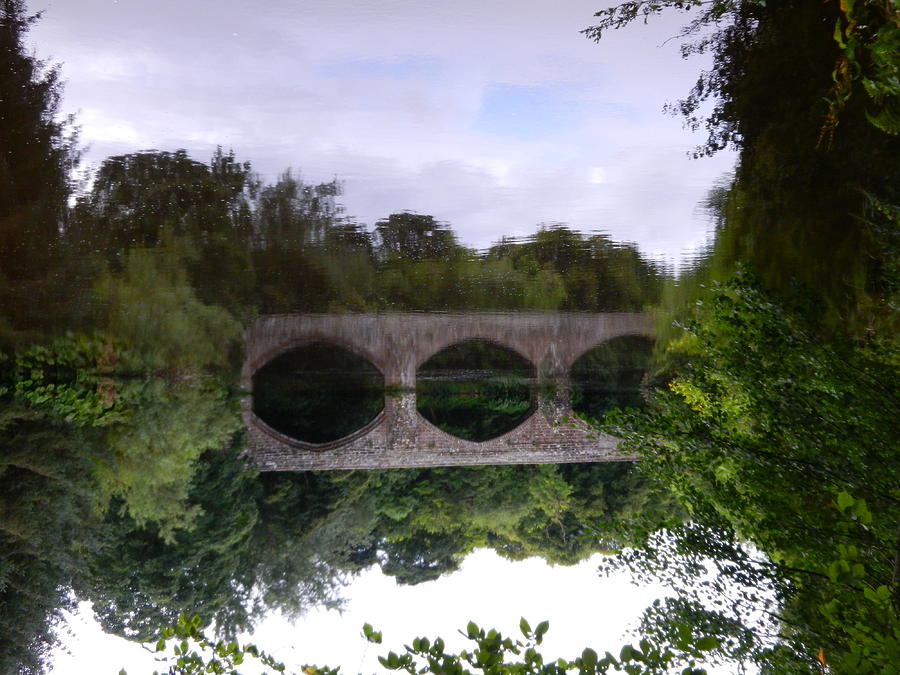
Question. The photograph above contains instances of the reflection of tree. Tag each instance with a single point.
(293, 214)
(148, 199)
(318, 393)
(474, 390)
(584, 272)
(141, 198)
(35, 159)
(610, 376)
(413, 237)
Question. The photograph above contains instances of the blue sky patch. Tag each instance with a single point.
(527, 112)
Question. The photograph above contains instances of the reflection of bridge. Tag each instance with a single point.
(397, 344)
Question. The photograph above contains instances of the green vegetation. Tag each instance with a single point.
(491, 653)
(610, 376)
(768, 439)
(773, 439)
(775, 419)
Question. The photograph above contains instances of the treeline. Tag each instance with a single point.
(254, 247)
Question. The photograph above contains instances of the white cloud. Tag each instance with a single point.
(98, 126)
(485, 114)
(597, 175)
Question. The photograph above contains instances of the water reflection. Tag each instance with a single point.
(611, 376)
(475, 390)
(317, 393)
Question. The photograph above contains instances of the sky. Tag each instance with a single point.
(584, 609)
(491, 116)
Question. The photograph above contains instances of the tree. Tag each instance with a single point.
(49, 526)
(414, 237)
(37, 153)
(139, 580)
(772, 436)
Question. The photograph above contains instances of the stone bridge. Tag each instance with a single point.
(398, 344)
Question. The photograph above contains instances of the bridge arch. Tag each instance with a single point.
(435, 434)
(448, 397)
(440, 345)
(576, 356)
(315, 393)
(313, 338)
(279, 437)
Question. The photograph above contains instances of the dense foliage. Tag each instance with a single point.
(779, 443)
(775, 420)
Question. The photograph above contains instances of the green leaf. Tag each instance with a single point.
(862, 512)
(704, 644)
(589, 657)
(839, 34)
(525, 627)
(844, 501)
(371, 634)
